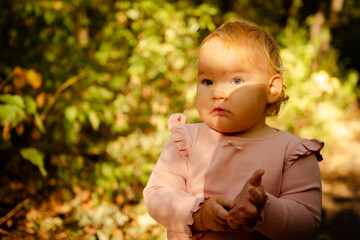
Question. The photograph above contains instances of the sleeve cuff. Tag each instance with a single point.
(190, 220)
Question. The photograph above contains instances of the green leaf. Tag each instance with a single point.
(49, 17)
(94, 120)
(118, 82)
(71, 113)
(35, 157)
(133, 14)
(99, 93)
(30, 105)
(11, 114)
(107, 170)
(39, 123)
(12, 100)
(7, 114)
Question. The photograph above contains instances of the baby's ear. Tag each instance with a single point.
(275, 87)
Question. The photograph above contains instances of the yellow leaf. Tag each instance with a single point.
(19, 80)
(41, 99)
(34, 78)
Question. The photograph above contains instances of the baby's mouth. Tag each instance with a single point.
(220, 111)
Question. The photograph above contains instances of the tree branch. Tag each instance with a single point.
(58, 91)
(2, 85)
(15, 209)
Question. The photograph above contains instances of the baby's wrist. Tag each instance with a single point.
(198, 225)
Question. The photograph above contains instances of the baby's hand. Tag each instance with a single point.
(248, 203)
(213, 214)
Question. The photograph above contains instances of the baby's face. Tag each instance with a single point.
(232, 88)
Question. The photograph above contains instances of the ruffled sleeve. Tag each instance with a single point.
(296, 207)
(305, 148)
(165, 194)
(176, 124)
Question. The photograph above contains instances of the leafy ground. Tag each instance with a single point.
(58, 212)
(51, 216)
(341, 183)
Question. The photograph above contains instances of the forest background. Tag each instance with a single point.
(87, 87)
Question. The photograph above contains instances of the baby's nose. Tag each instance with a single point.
(220, 93)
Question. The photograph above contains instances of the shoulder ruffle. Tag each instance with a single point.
(176, 124)
(305, 148)
(175, 120)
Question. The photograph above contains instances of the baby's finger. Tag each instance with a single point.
(225, 202)
(233, 225)
(255, 179)
(244, 212)
(219, 211)
(236, 222)
(221, 226)
(221, 221)
(256, 195)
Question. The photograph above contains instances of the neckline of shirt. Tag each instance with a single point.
(222, 136)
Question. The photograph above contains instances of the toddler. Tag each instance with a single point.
(233, 176)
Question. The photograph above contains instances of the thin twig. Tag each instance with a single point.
(58, 91)
(2, 85)
(14, 210)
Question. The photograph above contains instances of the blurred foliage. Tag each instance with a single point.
(87, 88)
(95, 83)
(320, 95)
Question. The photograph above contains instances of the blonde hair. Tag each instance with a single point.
(249, 34)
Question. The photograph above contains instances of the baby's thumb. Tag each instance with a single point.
(255, 179)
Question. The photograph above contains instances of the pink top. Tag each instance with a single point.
(198, 162)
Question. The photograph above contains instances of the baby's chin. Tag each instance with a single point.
(224, 130)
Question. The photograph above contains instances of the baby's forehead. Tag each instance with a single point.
(252, 51)
(240, 45)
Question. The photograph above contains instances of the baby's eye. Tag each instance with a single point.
(237, 81)
(207, 82)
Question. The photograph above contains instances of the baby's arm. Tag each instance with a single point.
(165, 194)
(172, 206)
(296, 213)
(249, 203)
